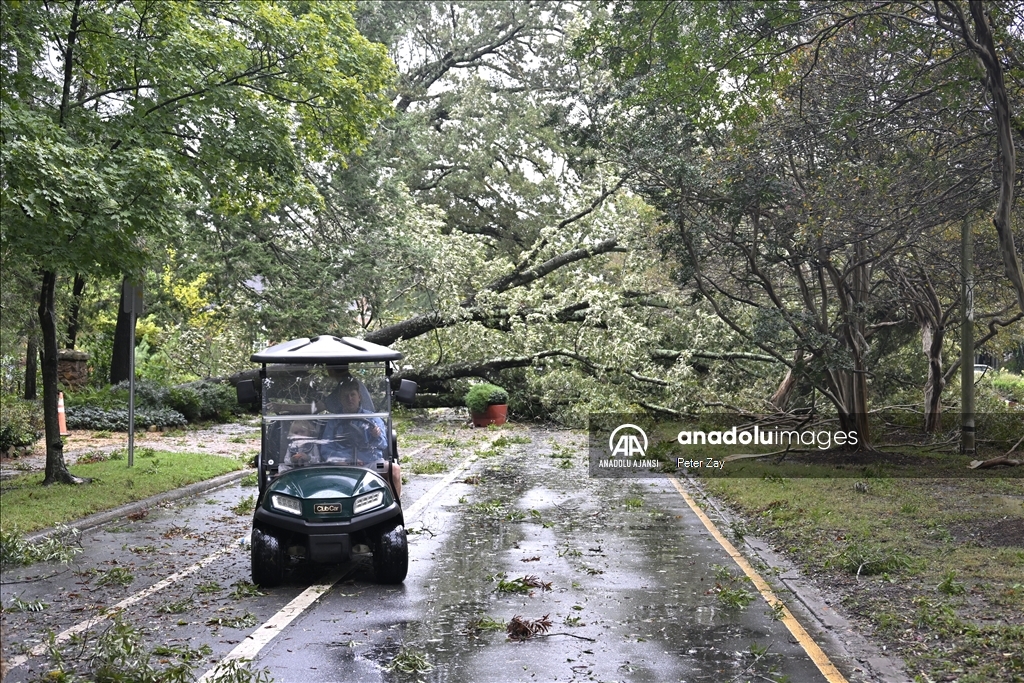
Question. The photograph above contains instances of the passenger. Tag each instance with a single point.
(303, 446)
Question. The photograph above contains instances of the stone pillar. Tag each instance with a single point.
(72, 368)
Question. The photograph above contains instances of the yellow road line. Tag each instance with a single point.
(817, 655)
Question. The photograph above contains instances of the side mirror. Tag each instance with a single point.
(245, 392)
(406, 393)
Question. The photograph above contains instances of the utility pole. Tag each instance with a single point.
(966, 339)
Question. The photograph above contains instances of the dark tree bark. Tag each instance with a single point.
(931, 343)
(120, 358)
(31, 368)
(56, 469)
(76, 307)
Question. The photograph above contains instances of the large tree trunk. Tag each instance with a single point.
(850, 385)
(851, 388)
(56, 469)
(931, 343)
(784, 394)
(31, 363)
(859, 344)
(120, 358)
(76, 307)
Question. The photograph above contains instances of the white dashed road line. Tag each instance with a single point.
(64, 636)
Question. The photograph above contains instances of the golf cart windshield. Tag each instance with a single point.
(326, 415)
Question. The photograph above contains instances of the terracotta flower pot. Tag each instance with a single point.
(494, 415)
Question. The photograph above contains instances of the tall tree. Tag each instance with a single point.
(156, 107)
(799, 149)
(480, 207)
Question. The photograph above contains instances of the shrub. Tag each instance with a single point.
(186, 401)
(482, 395)
(1009, 385)
(147, 393)
(203, 400)
(21, 422)
(116, 419)
(107, 409)
(106, 397)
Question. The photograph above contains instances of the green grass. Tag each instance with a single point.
(27, 506)
(913, 554)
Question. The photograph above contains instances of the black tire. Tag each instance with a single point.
(391, 554)
(268, 558)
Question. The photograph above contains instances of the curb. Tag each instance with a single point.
(814, 610)
(107, 516)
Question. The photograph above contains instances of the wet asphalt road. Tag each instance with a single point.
(630, 581)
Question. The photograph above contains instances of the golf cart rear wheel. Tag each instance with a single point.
(391, 555)
(268, 558)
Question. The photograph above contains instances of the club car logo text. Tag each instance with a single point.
(324, 508)
(628, 446)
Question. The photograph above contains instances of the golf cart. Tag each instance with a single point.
(328, 485)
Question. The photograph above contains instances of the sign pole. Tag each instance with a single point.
(131, 388)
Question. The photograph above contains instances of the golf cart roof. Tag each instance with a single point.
(325, 349)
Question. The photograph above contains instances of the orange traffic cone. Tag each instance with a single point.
(61, 420)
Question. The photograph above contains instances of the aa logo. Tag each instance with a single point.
(629, 443)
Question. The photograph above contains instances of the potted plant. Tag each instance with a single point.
(487, 404)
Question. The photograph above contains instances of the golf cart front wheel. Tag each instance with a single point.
(268, 558)
(391, 555)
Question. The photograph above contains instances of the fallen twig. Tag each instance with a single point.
(562, 633)
(741, 456)
(750, 666)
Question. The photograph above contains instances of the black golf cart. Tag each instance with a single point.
(327, 466)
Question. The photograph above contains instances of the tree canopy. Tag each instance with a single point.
(119, 119)
(669, 206)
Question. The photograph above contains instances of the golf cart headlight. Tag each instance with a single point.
(370, 500)
(286, 504)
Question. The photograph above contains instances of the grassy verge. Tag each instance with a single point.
(935, 565)
(27, 506)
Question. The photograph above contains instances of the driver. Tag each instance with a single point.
(360, 440)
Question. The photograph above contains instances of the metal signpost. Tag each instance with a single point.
(131, 295)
